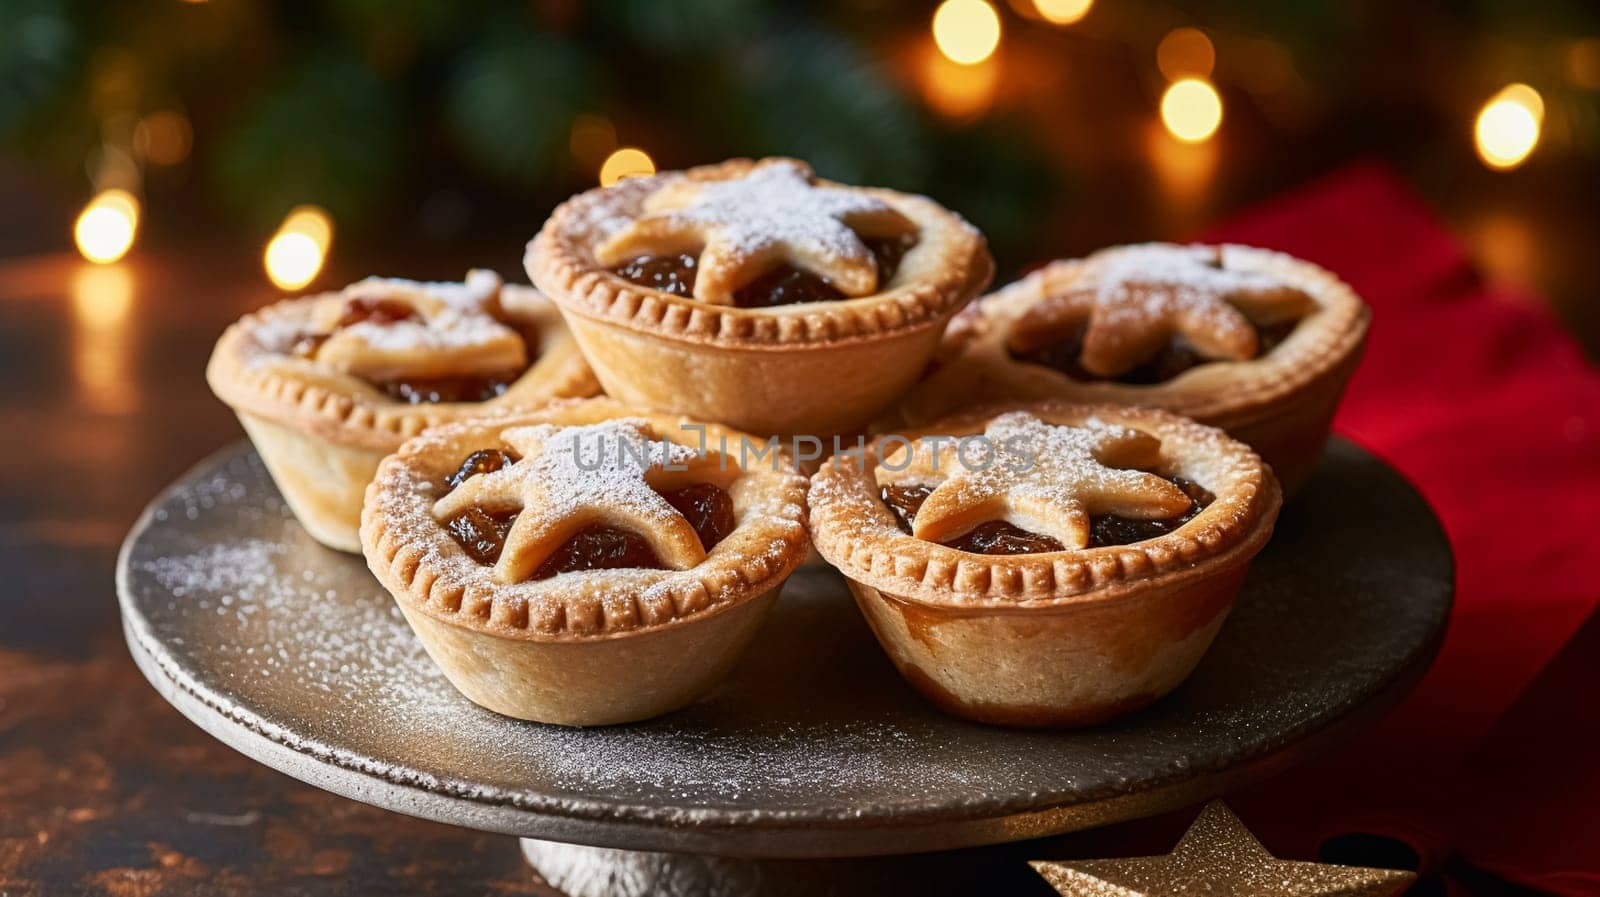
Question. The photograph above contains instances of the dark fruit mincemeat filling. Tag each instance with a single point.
(482, 534)
(1000, 537)
(783, 285)
(1173, 358)
(449, 389)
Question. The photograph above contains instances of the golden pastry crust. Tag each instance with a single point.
(252, 371)
(976, 365)
(429, 573)
(948, 265)
(854, 530)
(1057, 638)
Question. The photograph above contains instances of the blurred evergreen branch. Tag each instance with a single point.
(329, 132)
(806, 93)
(355, 104)
(511, 103)
(41, 54)
(368, 107)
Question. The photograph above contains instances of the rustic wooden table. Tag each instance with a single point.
(104, 789)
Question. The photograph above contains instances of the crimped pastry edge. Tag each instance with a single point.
(855, 532)
(949, 265)
(1225, 393)
(249, 377)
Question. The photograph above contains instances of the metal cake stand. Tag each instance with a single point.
(814, 747)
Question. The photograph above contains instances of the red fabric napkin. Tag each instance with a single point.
(1477, 395)
(1535, 820)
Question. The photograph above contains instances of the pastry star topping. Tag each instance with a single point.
(1218, 857)
(1142, 297)
(775, 214)
(604, 474)
(479, 293)
(383, 329)
(1044, 478)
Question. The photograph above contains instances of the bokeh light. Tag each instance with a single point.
(296, 253)
(1186, 53)
(103, 340)
(1583, 63)
(966, 31)
(102, 297)
(1507, 129)
(163, 138)
(1184, 175)
(958, 91)
(292, 260)
(1063, 12)
(1525, 96)
(593, 137)
(106, 227)
(1266, 67)
(1191, 110)
(627, 162)
(312, 221)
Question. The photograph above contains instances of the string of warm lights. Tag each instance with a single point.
(967, 33)
(960, 73)
(960, 78)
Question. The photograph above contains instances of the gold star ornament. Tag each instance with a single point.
(1218, 857)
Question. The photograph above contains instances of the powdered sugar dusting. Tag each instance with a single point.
(1141, 283)
(472, 295)
(276, 605)
(592, 467)
(1052, 475)
(451, 319)
(449, 329)
(277, 333)
(741, 225)
(285, 614)
(564, 470)
(774, 204)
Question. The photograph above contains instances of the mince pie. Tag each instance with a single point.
(327, 385)
(1048, 564)
(583, 563)
(756, 294)
(1252, 341)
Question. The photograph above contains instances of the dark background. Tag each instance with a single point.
(438, 134)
